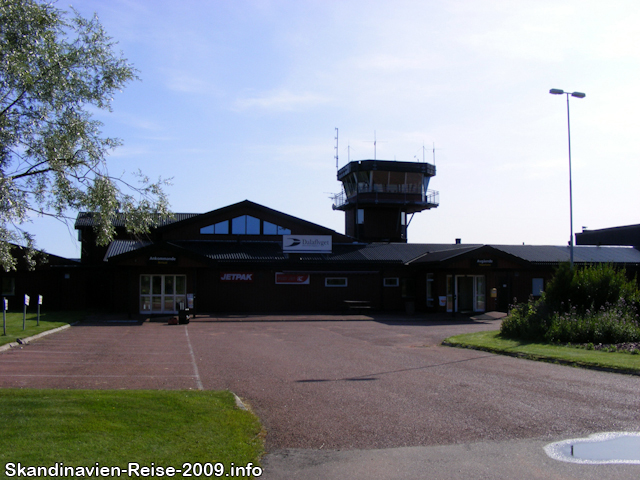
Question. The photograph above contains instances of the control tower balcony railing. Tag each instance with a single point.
(389, 194)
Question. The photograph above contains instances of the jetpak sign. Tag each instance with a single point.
(236, 277)
(306, 243)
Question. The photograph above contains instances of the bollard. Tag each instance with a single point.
(5, 306)
(39, 303)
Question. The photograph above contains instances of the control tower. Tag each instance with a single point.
(379, 198)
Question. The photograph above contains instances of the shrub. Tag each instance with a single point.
(611, 324)
(527, 321)
(557, 294)
(591, 305)
(589, 288)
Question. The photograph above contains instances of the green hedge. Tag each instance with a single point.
(596, 304)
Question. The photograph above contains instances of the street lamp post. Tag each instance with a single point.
(555, 91)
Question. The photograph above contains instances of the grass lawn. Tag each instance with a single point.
(492, 342)
(115, 427)
(48, 321)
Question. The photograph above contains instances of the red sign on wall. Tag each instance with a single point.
(292, 278)
(236, 277)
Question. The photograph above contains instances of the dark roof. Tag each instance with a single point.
(265, 251)
(441, 253)
(86, 219)
(547, 254)
(399, 253)
(261, 251)
(542, 254)
(269, 251)
(118, 247)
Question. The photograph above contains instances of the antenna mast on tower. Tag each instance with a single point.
(336, 148)
(375, 145)
(434, 154)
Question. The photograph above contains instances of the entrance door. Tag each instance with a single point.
(162, 293)
(470, 295)
(479, 303)
(504, 294)
(450, 293)
(465, 294)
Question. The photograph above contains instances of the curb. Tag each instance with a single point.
(544, 358)
(239, 403)
(8, 346)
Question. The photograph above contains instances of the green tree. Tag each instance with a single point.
(55, 67)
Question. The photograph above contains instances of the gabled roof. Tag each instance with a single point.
(231, 210)
(441, 253)
(539, 254)
(404, 252)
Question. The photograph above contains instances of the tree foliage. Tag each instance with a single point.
(55, 68)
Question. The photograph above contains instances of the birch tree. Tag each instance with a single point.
(56, 68)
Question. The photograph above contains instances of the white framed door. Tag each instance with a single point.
(479, 293)
(470, 293)
(450, 292)
(162, 293)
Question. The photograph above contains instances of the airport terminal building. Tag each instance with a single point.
(248, 257)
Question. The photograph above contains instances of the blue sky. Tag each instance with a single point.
(240, 100)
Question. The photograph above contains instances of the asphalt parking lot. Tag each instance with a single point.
(371, 398)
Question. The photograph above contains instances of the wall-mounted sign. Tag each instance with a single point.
(292, 278)
(162, 260)
(484, 262)
(236, 277)
(306, 243)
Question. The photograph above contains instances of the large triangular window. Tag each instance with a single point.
(221, 228)
(245, 225)
(272, 229)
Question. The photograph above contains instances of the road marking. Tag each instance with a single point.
(193, 360)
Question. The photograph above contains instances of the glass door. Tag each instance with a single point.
(162, 293)
(479, 299)
(430, 291)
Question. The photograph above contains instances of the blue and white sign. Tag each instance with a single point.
(306, 243)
